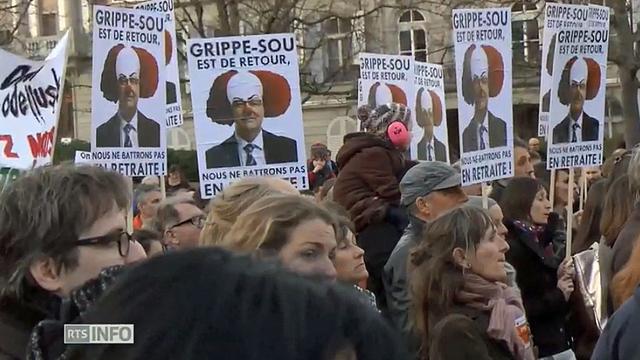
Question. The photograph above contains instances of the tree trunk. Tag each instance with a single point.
(627, 68)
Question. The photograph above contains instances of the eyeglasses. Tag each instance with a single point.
(123, 80)
(122, 238)
(252, 102)
(197, 221)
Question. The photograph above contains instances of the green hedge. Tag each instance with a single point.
(185, 158)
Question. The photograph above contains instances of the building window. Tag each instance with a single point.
(413, 35)
(339, 51)
(48, 17)
(525, 32)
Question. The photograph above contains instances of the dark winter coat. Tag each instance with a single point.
(619, 340)
(368, 188)
(537, 277)
(462, 335)
(368, 183)
(18, 318)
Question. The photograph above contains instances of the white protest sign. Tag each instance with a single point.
(172, 84)
(83, 157)
(30, 97)
(576, 116)
(430, 113)
(482, 39)
(128, 97)
(557, 17)
(247, 109)
(387, 79)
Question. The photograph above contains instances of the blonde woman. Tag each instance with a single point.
(291, 228)
(226, 207)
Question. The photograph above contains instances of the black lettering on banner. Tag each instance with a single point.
(126, 20)
(480, 19)
(480, 173)
(158, 6)
(137, 169)
(222, 48)
(377, 63)
(426, 71)
(27, 98)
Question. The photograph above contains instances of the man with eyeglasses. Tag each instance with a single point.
(246, 106)
(128, 128)
(180, 222)
(577, 84)
(61, 226)
(482, 78)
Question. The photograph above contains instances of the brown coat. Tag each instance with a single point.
(368, 182)
(462, 335)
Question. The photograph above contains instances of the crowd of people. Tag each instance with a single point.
(384, 258)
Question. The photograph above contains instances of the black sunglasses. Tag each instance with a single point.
(122, 238)
(197, 221)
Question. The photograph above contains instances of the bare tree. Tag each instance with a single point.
(12, 17)
(624, 52)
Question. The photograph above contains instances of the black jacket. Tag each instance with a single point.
(462, 335)
(537, 277)
(439, 150)
(619, 340)
(590, 129)
(18, 318)
(108, 134)
(277, 150)
(396, 282)
(497, 134)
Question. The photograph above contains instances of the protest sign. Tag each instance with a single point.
(430, 113)
(82, 157)
(482, 39)
(172, 84)
(576, 116)
(128, 99)
(30, 97)
(247, 109)
(387, 79)
(557, 17)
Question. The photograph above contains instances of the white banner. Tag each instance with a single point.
(557, 17)
(430, 111)
(388, 79)
(576, 116)
(247, 109)
(30, 97)
(174, 97)
(82, 157)
(482, 39)
(128, 97)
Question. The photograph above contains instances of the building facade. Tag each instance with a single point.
(330, 40)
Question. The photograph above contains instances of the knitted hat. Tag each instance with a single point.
(377, 120)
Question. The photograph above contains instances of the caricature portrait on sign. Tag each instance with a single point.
(168, 53)
(580, 82)
(429, 113)
(381, 94)
(129, 74)
(243, 100)
(482, 78)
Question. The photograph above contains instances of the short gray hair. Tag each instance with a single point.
(167, 215)
(143, 190)
(477, 201)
